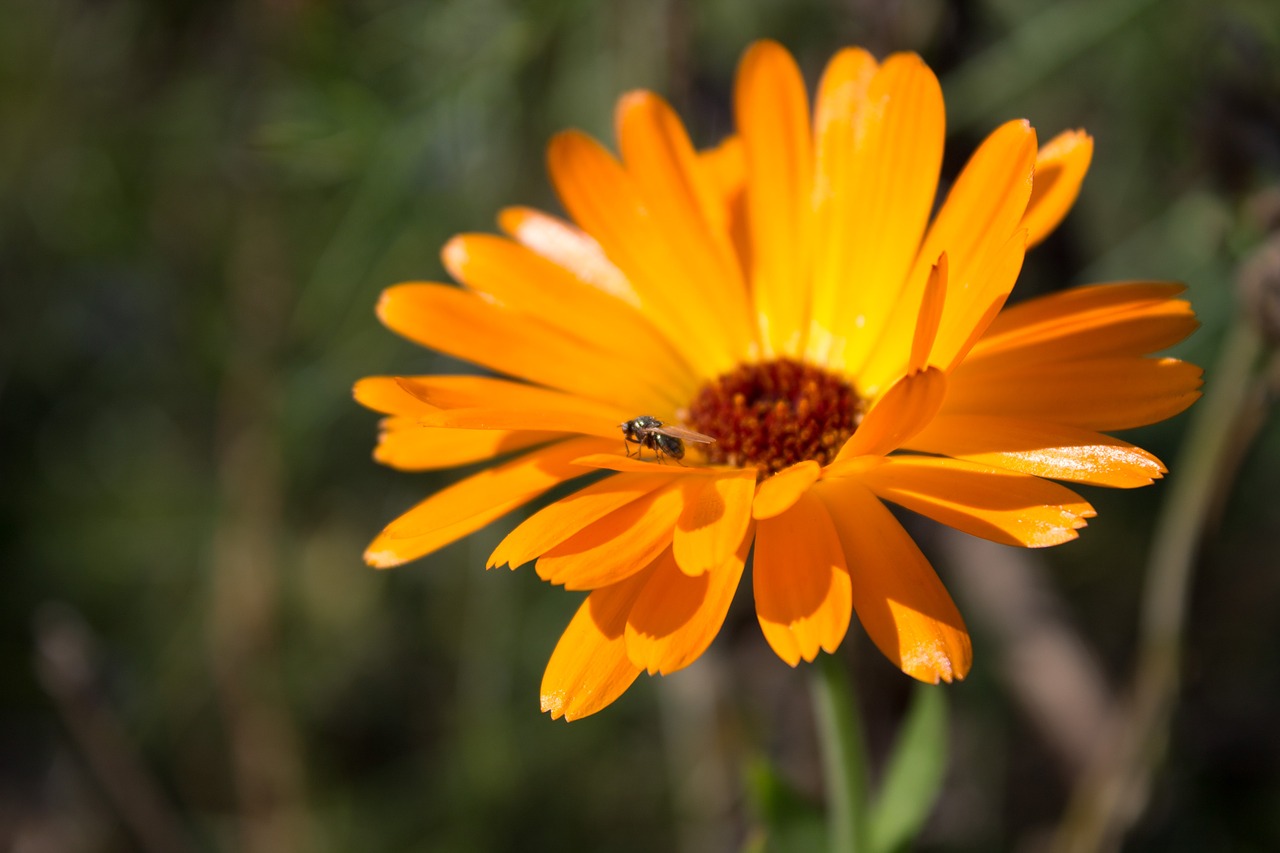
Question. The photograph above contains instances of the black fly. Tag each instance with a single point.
(648, 431)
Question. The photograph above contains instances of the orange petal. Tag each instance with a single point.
(1094, 394)
(725, 170)
(772, 112)
(524, 281)
(589, 668)
(568, 516)
(433, 392)
(717, 511)
(677, 616)
(612, 207)
(899, 600)
(385, 394)
(1041, 449)
(618, 545)
(1132, 318)
(886, 190)
(406, 444)
(905, 409)
(802, 587)
(837, 123)
(647, 465)
(685, 210)
(558, 420)
(997, 504)
(1060, 168)
(466, 326)
(934, 300)
(986, 204)
(470, 504)
(569, 248)
(778, 493)
(976, 222)
(959, 331)
(481, 402)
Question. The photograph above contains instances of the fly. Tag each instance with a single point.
(648, 431)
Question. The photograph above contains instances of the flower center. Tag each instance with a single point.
(775, 414)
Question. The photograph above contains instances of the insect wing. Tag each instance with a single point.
(684, 434)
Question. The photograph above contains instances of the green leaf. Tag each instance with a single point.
(914, 773)
(789, 822)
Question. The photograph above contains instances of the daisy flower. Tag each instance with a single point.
(791, 295)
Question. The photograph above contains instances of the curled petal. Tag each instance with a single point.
(981, 215)
(387, 395)
(931, 305)
(1060, 168)
(905, 409)
(406, 444)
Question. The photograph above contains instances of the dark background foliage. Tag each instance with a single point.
(199, 205)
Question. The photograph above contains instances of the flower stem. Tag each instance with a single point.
(844, 762)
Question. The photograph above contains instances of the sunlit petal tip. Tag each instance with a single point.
(589, 668)
(382, 559)
(553, 703)
(454, 256)
(935, 666)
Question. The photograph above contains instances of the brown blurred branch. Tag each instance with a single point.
(66, 664)
(1114, 790)
(1047, 668)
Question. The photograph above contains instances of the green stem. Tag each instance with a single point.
(844, 761)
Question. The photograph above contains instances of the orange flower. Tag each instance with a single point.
(787, 294)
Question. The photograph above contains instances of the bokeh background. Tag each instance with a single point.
(200, 202)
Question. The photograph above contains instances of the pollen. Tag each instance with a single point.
(775, 414)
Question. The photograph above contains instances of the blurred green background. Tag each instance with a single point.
(199, 204)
